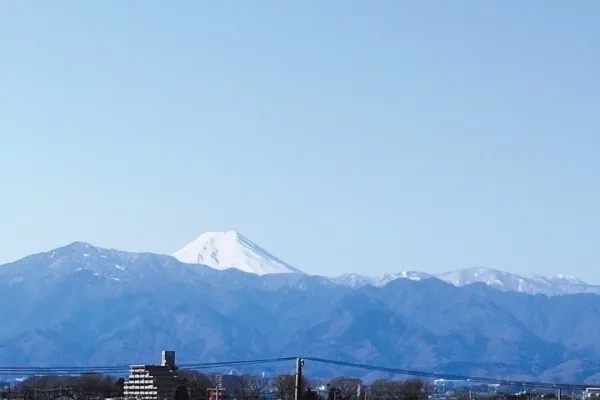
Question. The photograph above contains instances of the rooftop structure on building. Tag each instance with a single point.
(152, 382)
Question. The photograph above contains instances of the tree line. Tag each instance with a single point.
(194, 385)
(85, 386)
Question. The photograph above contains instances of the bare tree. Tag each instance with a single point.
(345, 388)
(415, 389)
(285, 386)
(252, 387)
(120, 387)
(181, 392)
(86, 385)
(310, 394)
(45, 382)
(412, 389)
(382, 389)
(94, 384)
(196, 382)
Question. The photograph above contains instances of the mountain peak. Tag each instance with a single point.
(230, 249)
(79, 245)
(569, 279)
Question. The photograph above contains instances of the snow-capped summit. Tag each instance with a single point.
(491, 277)
(354, 280)
(567, 279)
(230, 249)
(504, 281)
(411, 275)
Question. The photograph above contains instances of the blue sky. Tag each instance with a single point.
(363, 136)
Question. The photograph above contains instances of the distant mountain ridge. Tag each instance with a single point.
(84, 305)
(230, 249)
(504, 281)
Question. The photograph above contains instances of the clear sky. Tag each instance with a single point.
(343, 136)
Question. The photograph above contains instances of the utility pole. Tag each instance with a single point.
(559, 394)
(298, 387)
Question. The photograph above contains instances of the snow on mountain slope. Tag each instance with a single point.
(505, 281)
(230, 249)
(101, 265)
(491, 277)
(412, 275)
(566, 279)
(356, 280)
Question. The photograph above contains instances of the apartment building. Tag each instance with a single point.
(152, 382)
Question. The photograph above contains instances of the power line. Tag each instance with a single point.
(436, 375)
(74, 370)
(57, 370)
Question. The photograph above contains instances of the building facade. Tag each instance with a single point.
(152, 382)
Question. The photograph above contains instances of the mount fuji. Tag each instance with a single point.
(230, 249)
(86, 305)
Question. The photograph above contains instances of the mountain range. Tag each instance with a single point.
(85, 305)
(230, 249)
(505, 281)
